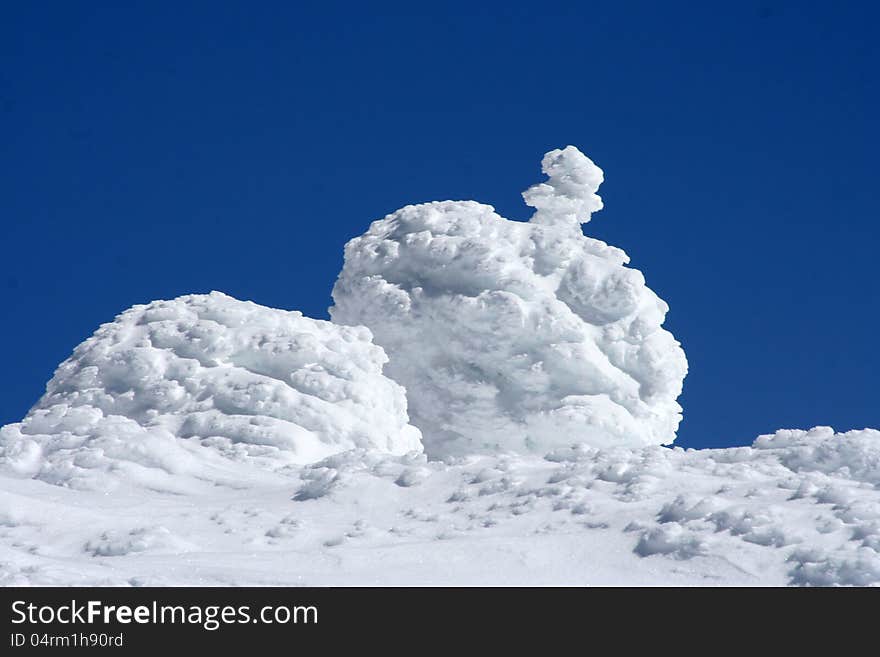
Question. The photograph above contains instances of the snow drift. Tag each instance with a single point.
(515, 336)
(193, 385)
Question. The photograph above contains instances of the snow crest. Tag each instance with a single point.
(184, 387)
(515, 336)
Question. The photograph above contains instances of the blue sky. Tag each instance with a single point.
(159, 149)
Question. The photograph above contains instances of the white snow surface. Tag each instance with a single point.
(509, 335)
(796, 508)
(178, 392)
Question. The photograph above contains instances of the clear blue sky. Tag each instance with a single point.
(160, 148)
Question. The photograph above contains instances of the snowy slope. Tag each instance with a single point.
(796, 508)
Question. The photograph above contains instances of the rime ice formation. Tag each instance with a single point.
(515, 336)
(569, 195)
(192, 386)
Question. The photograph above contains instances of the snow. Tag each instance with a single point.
(569, 195)
(206, 387)
(515, 336)
(210, 441)
(796, 508)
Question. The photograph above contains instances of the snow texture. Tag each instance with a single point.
(515, 336)
(179, 390)
(796, 508)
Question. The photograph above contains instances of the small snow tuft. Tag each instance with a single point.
(569, 196)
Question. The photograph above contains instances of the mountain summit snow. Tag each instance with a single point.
(515, 336)
(250, 445)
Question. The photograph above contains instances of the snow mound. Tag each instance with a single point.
(515, 336)
(193, 385)
(854, 454)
